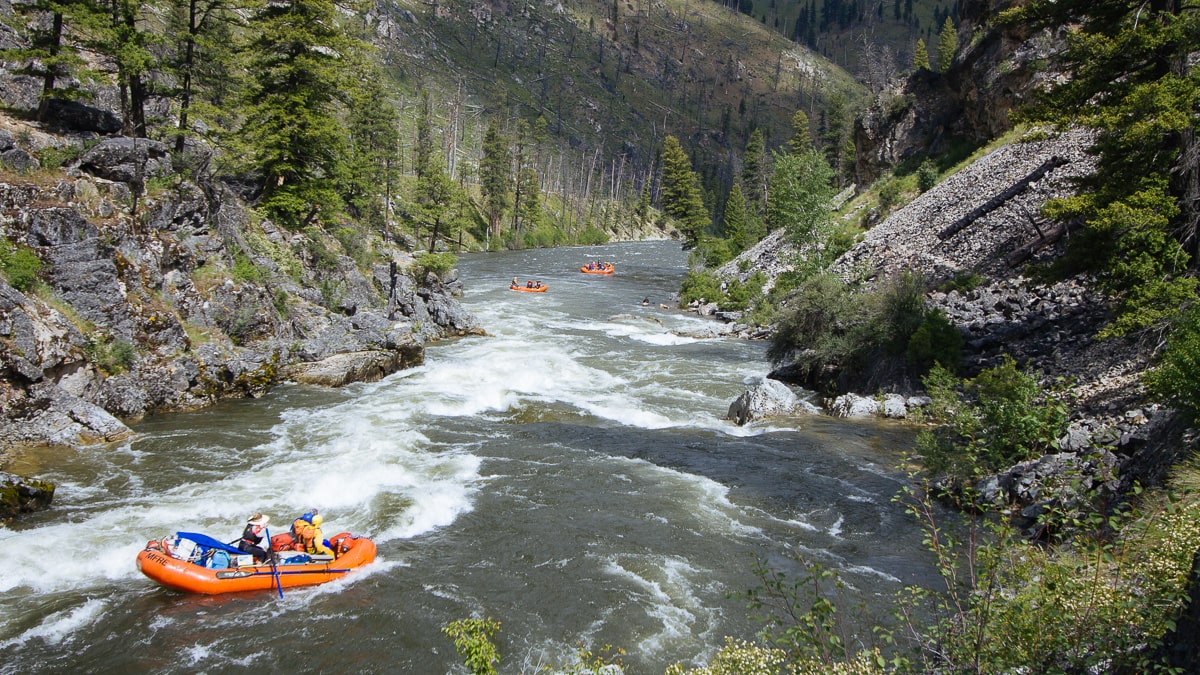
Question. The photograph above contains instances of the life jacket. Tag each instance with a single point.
(303, 532)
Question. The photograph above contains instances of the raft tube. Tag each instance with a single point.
(161, 562)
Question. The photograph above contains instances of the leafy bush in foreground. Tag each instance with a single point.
(999, 418)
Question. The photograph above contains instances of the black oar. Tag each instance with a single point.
(274, 569)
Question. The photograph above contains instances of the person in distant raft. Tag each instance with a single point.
(252, 536)
(307, 530)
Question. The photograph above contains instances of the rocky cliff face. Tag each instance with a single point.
(997, 70)
(159, 293)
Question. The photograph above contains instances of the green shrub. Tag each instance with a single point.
(1010, 605)
(999, 418)
(818, 319)
(935, 341)
(592, 236)
(889, 191)
(927, 176)
(20, 265)
(473, 640)
(714, 252)
(737, 296)
(1176, 381)
(901, 310)
(785, 283)
(314, 245)
(961, 283)
(111, 356)
(436, 263)
(701, 286)
(245, 270)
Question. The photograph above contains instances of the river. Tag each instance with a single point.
(569, 475)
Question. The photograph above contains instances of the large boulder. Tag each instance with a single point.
(127, 160)
(769, 398)
(367, 366)
(23, 495)
(75, 116)
(853, 405)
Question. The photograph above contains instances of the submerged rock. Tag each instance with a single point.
(23, 495)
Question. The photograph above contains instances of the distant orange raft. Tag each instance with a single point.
(526, 289)
(606, 269)
(197, 563)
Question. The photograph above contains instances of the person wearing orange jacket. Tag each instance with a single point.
(309, 534)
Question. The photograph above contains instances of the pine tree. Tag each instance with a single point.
(200, 64)
(423, 150)
(755, 173)
(920, 56)
(49, 56)
(299, 59)
(371, 169)
(495, 177)
(1133, 81)
(801, 140)
(734, 226)
(435, 195)
(947, 45)
(531, 203)
(836, 133)
(681, 197)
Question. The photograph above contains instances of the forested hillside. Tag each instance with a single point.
(310, 103)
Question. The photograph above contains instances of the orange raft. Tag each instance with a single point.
(184, 562)
(526, 289)
(605, 269)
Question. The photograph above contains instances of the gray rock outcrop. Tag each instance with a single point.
(768, 398)
(187, 302)
(22, 495)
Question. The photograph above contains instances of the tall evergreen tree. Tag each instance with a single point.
(495, 177)
(126, 39)
(836, 132)
(49, 55)
(201, 64)
(371, 173)
(920, 56)
(755, 174)
(801, 140)
(531, 202)
(682, 197)
(733, 227)
(299, 58)
(435, 195)
(423, 150)
(947, 45)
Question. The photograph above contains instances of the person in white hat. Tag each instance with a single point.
(252, 536)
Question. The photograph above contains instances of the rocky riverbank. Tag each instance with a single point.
(972, 236)
(155, 292)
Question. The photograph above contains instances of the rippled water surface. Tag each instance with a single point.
(570, 474)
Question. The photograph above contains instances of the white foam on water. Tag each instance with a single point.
(710, 507)
(58, 627)
(862, 569)
(668, 589)
(835, 530)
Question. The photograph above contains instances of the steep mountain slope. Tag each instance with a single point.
(609, 77)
